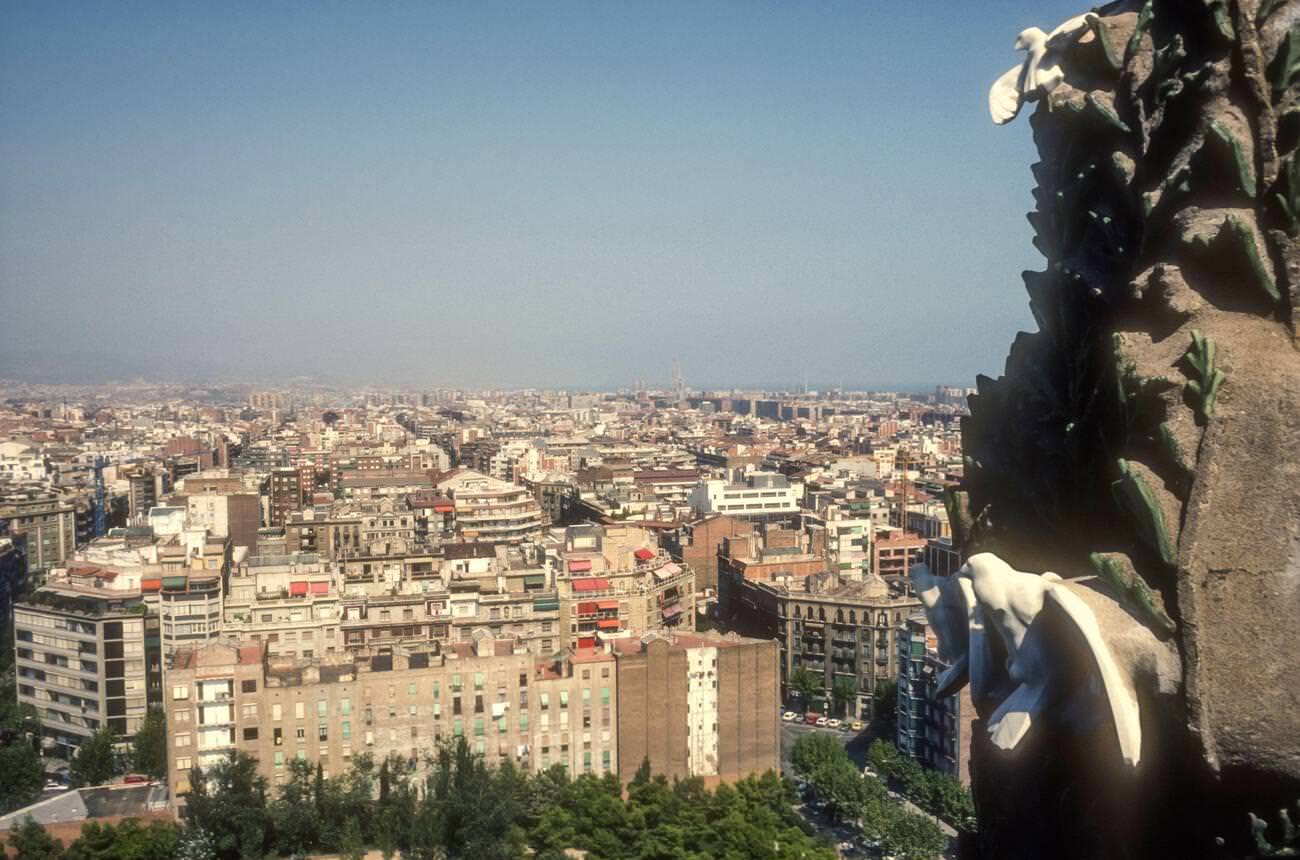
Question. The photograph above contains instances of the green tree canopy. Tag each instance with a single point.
(31, 841)
(95, 762)
(24, 776)
(149, 746)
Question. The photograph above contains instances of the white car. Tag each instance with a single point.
(821, 722)
(789, 716)
(832, 723)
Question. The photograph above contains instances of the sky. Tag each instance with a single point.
(481, 194)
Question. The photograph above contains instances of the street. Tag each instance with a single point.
(856, 745)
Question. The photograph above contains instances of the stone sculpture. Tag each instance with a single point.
(995, 600)
(1039, 73)
(1144, 441)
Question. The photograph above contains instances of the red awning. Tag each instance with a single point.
(150, 584)
(586, 641)
(607, 604)
(579, 564)
(644, 554)
(607, 624)
(297, 589)
(672, 611)
(592, 584)
(587, 608)
(320, 588)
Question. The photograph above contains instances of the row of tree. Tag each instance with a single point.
(808, 686)
(461, 808)
(849, 797)
(935, 792)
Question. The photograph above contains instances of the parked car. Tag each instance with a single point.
(820, 722)
(811, 719)
(789, 716)
(857, 726)
(135, 778)
(832, 723)
(54, 785)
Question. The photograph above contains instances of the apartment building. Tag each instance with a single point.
(834, 628)
(286, 493)
(86, 657)
(934, 731)
(503, 594)
(696, 704)
(43, 525)
(762, 496)
(488, 509)
(615, 580)
(504, 702)
(288, 604)
(894, 553)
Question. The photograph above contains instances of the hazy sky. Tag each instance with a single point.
(547, 193)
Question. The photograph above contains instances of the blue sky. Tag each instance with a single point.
(482, 194)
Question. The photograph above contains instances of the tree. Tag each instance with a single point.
(128, 840)
(805, 685)
(295, 813)
(843, 691)
(884, 709)
(24, 776)
(228, 801)
(95, 762)
(149, 747)
(33, 842)
(195, 843)
(352, 846)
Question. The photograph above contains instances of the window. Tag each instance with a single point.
(604, 695)
(544, 700)
(478, 680)
(299, 710)
(277, 735)
(410, 689)
(478, 726)
(346, 729)
(250, 733)
(345, 707)
(564, 698)
(248, 686)
(302, 733)
(250, 711)
(181, 692)
(182, 716)
(322, 733)
(322, 708)
(183, 740)
(183, 763)
(276, 713)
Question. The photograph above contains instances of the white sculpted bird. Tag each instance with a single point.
(1045, 632)
(1039, 71)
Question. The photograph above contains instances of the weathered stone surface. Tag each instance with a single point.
(1240, 553)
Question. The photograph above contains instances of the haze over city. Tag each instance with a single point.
(510, 194)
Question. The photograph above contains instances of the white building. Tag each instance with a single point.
(763, 494)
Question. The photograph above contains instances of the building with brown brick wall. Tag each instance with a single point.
(698, 704)
(696, 544)
(505, 703)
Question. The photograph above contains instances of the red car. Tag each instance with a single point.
(811, 718)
